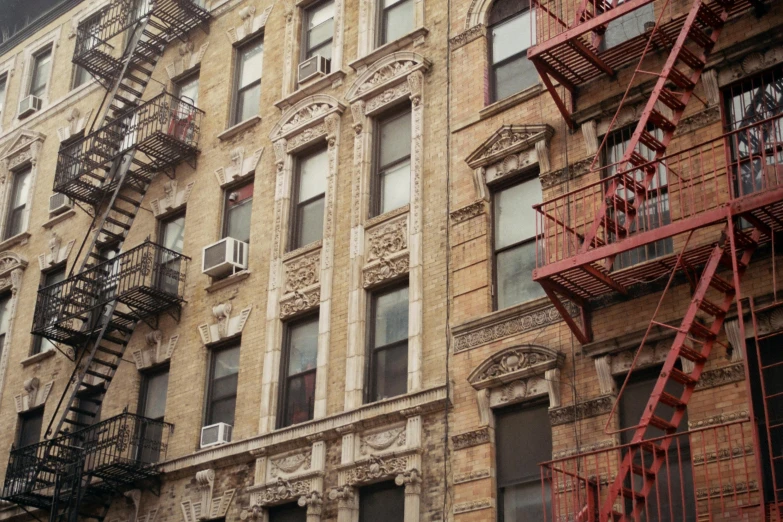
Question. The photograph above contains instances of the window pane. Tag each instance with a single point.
(173, 233)
(395, 187)
(3, 87)
(391, 372)
(395, 139)
(155, 388)
(30, 428)
(312, 175)
(300, 398)
(303, 346)
(248, 103)
(17, 215)
(515, 276)
(383, 502)
(391, 317)
(239, 208)
(224, 387)
(321, 34)
(320, 26)
(188, 90)
(41, 67)
(629, 25)
(517, 459)
(21, 187)
(511, 37)
(523, 501)
(251, 63)
(222, 411)
(398, 20)
(515, 218)
(290, 512)
(311, 223)
(514, 76)
(80, 76)
(226, 362)
(5, 303)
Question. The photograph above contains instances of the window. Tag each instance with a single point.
(16, 218)
(238, 209)
(517, 459)
(91, 26)
(39, 79)
(382, 502)
(290, 512)
(396, 19)
(5, 313)
(655, 209)
(388, 358)
(512, 31)
(515, 243)
(318, 30)
(307, 224)
(152, 406)
(50, 277)
(250, 61)
(393, 162)
(628, 26)
(30, 424)
(187, 89)
(223, 377)
(3, 90)
(171, 234)
(300, 354)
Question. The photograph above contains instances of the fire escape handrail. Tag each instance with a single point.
(115, 18)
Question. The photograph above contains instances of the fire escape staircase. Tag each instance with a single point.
(82, 464)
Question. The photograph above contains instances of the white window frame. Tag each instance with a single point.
(31, 51)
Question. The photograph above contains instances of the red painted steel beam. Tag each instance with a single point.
(593, 58)
(605, 279)
(583, 336)
(543, 71)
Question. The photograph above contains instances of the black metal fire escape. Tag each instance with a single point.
(84, 463)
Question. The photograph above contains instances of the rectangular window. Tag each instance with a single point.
(318, 30)
(30, 424)
(392, 162)
(16, 217)
(5, 312)
(655, 209)
(187, 89)
(515, 243)
(250, 63)
(298, 369)
(388, 357)
(628, 26)
(396, 19)
(50, 277)
(223, 379)
(152, 406)
(382, 502)
(517, 460)
(307, 223)
(42, 66)
(3, 90)
(238, 209)
(512, 32)
(290, 512)
(171, 234)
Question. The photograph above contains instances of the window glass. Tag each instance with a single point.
(313, 170)
(239, 206)
(5, 303)
(17, 212)
(628, 26)
(389, 345)
(395, 138)
(319, 29)
(515, 219)
(512, 31)
(223, 386)
(299, 378)
(394, 149)
(514, 268)
(172, 233)
(518, 459)
(382, 502)
(391, 317)
(3, 88)
(155, 387)
(51, 277)
(40, 75)
(187, 89)
(30, 426)
(397, 19)
(308, 219)
(249, 69)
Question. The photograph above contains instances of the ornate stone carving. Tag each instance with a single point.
(305, 113)
(382, 441)
(515, 391)
(507, 140)
(573, 171)
(726, 490)
(710, 457)
(303, 138)
(467, 212)
(474, 505)
(34, 395)
(386, 97)
(188, 59)
(206, 506)
(303, 272)
(239, 166)
(375, 468)
(515, 362)
(467, 338)
(470, 476)
(156, 351)
(721, 376)
(604, 444)
(387, 240)
(313, 501)
(284, 490)
(467, 36)
(721, 418)
(386, 72)
(750, 64)
(385, 270)
(250, 24)
(173, 198)
(290, 463)
(584, 410)
(226, 325)
(470, 438)
(299, 302)
(26, 147)
(76, 124)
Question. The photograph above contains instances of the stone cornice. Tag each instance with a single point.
(514, 363)
(508, 139)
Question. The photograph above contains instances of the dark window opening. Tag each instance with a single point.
(511, 32)
(298, 371)
(382, 502)
(290, 512)
(388, 357)
(223, 380)
(30, 425)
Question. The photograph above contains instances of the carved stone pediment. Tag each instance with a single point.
(240, 166)
(514, 363)
(203, 504)
(189, 59)
(156, 351)
(24, 148)
(34, 395)
(174, 197)
(77, 122)
(57, 252)
(385, 73)
(11, 267)
(506, 141)
(225, 324)
(250, 24)
(305, 114)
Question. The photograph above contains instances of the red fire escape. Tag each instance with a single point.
(717, 203)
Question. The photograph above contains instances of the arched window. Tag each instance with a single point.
(512, 31)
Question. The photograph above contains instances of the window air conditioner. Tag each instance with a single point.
(225, 257)
(216, 434)
(29, 105)
(312, 67)
(59, 203)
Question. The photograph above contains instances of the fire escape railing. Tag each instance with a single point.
(165, 128)
(148, 279)
(119, 450)
(693, 183)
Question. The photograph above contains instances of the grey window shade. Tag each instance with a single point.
(519, 448)
(382, 502)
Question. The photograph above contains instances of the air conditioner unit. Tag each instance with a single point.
(312, 67)
(29, 105)
(216, 434)
(59, 203)
(225, 257)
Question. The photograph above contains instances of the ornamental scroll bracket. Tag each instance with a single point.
(204, 505)
(225, 324)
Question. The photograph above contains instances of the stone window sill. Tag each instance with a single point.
(386, 216)
(417, 35)
(311, 87)
(228, 281)
(19, 239)
(306, 249)
(38, 357)
(511, 101)
(59, 218)
(239, 128)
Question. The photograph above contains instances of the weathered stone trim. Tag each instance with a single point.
(56, 254)
(188, 60)
(467, 212)
(735, 452)
(506, 323)
(173, 198)
(584, 410)
(249, 25)
(573, 171)
(728, 490)
(470, 438)
(472, 475)
(467, 36)
(33, 396)
(604, 444)
(474, 505)
(721, 376)
(721, 418)
(514, 363)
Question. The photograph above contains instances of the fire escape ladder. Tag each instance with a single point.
(636, 477)
(627, 191)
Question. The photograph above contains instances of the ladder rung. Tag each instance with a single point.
(662, 424)
(104, 349)
(128, 88)
(690, 59)
(671, 99)
(681, 377)
(126, 199)
(642, 471)
(118, 223)
(711, 308)
(81, 411)
(670, 400)
(97, 374)
(722, 285)
(661, 121)
(652, 447)
(621, 204)
(773, 365)
(692, 355)
(651, 142)
(699, 330)
(632, 494)
(105, 363)
(699, 37)
(75, 423)
(123, 212)
(679, 79)
(115, 340)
